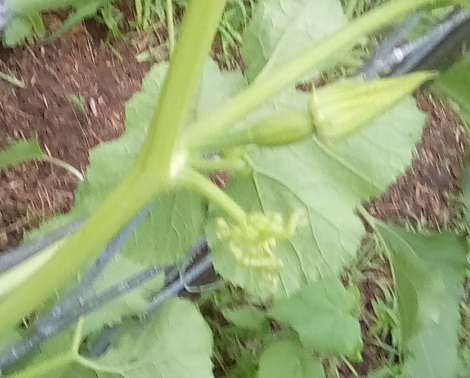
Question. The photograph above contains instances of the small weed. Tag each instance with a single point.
(12, 79)
(386, 318)
(77, 103)
(112, 17)
(24, 29)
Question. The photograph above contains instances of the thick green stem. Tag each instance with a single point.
(79, 249)
(195, 181)
(211, 165)
(261, 91)
(194, 42)
(277, 130)
(27, 6)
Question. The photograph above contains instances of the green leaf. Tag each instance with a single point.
(17, 31)
(327, 183)
(20, 151)
(454, 84)
(83, 10)
(289, 359)
(175, 342)
(50, 351)
(281, 29)
(133, 303)
(429, 271)
(175, 220)
(321, 313)
(248, 317)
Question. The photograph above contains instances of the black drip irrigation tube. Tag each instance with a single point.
(395, 56)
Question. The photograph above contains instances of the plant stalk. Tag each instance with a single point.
(193, 180)
(149, 178)
(191, 52)
(80, 248)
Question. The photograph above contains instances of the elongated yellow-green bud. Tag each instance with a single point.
(341, 108)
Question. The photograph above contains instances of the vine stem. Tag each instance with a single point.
(75, 253)
(176, 97)
(148, 178)
(210, 165)
(194, 180)
(264, 88)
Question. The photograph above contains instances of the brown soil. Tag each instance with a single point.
(427, 195)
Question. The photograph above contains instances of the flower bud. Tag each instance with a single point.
(342, 108)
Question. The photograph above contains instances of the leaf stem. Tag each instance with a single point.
(194, 180)
(261, 91)
(63, 164)
(211, 165)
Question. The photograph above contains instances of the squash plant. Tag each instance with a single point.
(284, 227)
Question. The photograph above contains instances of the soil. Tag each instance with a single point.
(427, 195)
(79, 66)
(74, 67)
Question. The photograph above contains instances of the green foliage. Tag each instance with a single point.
(24, 28)
(327, 184)
(429, 272)
(324, 314)
(81, 11)
(289, 359)
(19, 152)
(176, 220)
(175, 342)
(248, 317)
(131, 304)
(315, 315)
(276, 32)
(453, 85)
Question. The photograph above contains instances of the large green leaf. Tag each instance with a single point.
(289, 359)
(429, 271)
(281, 29)
(175, 342)
(247, 317)
(175, 220)
(323, 314)
(327, 183)
(133, 303)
